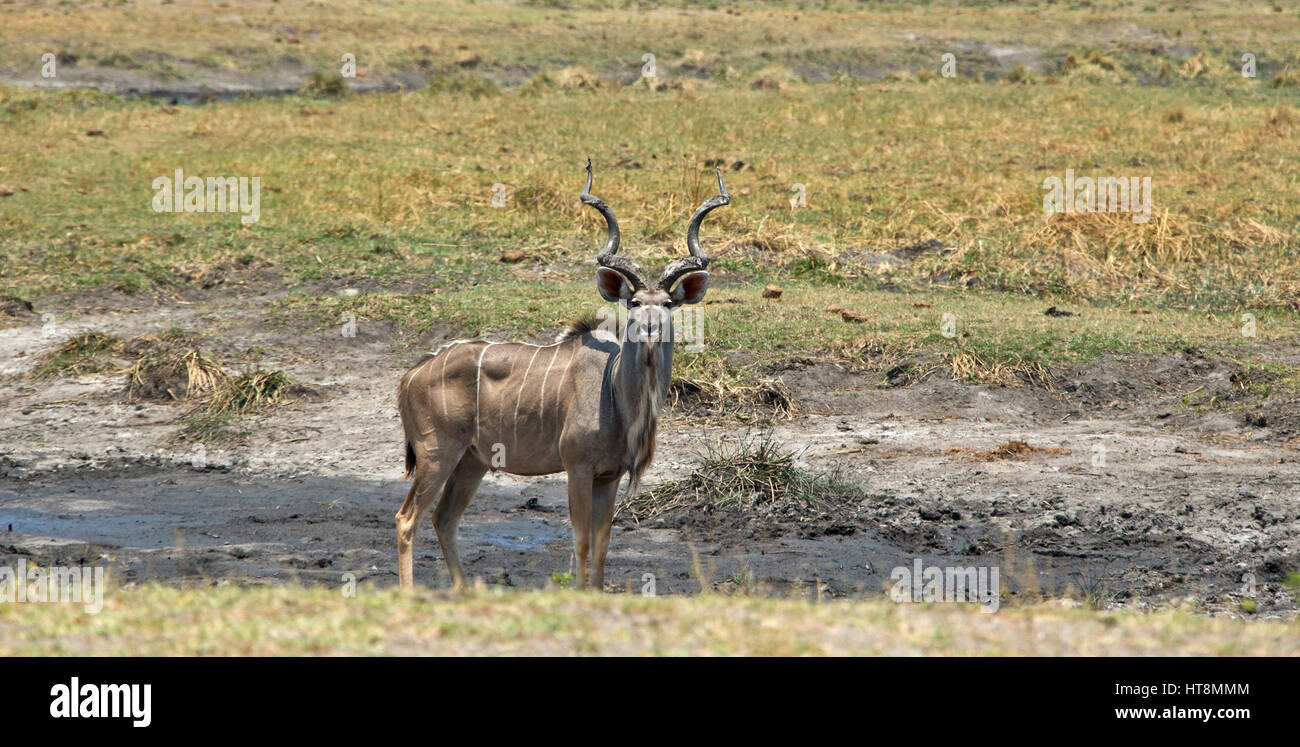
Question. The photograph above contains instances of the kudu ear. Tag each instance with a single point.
(612, 285)
(691, 288)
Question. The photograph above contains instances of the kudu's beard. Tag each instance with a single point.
(645, 383)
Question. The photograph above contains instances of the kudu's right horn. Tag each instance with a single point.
(698, 259)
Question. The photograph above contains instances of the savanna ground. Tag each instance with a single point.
(1104, 410)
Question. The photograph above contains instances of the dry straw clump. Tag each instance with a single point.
(971, 366)
(543, 198)
(235, 397)
(705, 384)
(753, 472)
(1093, 68)
(573, 78)
(1201, 65)
(171, 367)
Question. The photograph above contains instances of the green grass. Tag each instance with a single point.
(995, 337)
(394, 190)
(394, 184)
(82, 353)
(284, 621)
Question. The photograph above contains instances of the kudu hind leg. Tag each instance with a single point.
(462, 484)
(431, 471)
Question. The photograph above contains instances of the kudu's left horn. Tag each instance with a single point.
(608, 256)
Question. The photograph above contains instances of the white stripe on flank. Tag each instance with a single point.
(478, 378)
(501, 406)
(443, 376)
(567, 367)
(519, 398)
(442, 383)
(541, 399)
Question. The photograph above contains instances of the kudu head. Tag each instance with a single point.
(649, 305)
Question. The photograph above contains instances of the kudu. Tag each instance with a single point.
(586, 405)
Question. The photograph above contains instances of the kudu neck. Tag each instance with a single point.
(641, 377)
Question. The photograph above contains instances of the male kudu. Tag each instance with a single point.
(587, 405)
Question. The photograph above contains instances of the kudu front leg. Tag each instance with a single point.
(580, 517)
(603, 495)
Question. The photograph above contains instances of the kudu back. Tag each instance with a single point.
(586, 405)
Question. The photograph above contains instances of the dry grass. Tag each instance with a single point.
(288, 621)
(419, 197)
(1013, 371)
(755, 471)
(708, 385)
(171, 367)
(235, 397)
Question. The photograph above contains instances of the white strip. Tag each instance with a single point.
(565, 377)
(478, 378)
(519, 398)
(442, 380)
(541, 400)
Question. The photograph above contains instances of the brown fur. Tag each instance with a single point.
(410, 453)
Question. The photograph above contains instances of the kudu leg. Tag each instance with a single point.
(603, 495)
(431, 472)
(580, 517)
(446, 517)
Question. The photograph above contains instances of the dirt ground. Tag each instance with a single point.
(1125, 495)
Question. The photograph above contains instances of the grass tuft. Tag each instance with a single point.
(233, 398)
(83, 353)
(708, 385)
(326, 85)
(170, 367)
(756, 471)
(1009, 371)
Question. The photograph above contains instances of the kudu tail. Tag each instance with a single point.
(410, 460)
